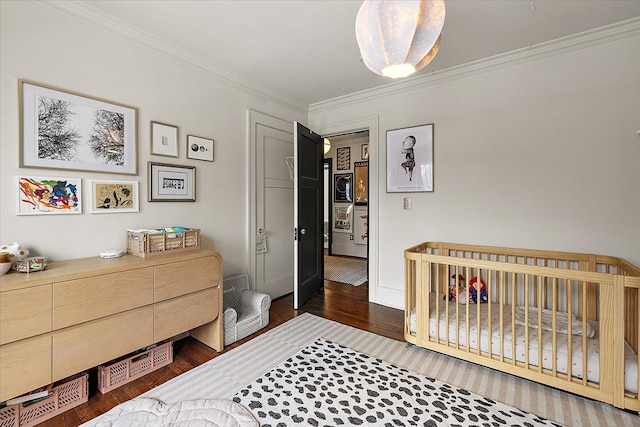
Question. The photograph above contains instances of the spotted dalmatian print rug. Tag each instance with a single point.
(326, 384)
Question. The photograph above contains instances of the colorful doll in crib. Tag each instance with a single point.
(455, 289)
(478, 296)
(459, 292)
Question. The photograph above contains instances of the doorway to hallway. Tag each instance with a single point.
(346, 209)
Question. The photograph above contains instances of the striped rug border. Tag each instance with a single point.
(228, 373)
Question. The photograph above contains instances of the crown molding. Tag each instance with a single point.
(93, 16)
(606, 34)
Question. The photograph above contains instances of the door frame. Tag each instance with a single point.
(329, 161)
(255, 118)
(356, 125)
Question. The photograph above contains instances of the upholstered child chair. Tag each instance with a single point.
(245, 311)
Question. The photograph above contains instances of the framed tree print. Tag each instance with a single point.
(410, 159)
(66, 130)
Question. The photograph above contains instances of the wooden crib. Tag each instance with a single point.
(567, 320)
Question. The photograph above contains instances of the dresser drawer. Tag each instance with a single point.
(181, 278)
(181, 314)
(24, 366)
(82, 300)
(25, 313)
(84, 346)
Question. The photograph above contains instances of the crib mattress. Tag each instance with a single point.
(536, 338)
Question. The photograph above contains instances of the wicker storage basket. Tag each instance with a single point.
(133, 367)
(146, 244)
(63, 397)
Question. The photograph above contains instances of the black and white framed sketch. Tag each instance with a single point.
(171, 183)
(108, 196)
(164, 139)
(343, 158)
(342, 218)
(343, 190)
(410, 159)
(66, 130)
(199, 148)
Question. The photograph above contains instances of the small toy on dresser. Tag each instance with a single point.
(31, 264)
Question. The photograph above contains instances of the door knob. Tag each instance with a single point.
(303, 231)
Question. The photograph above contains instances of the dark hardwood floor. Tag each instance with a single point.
(343, 303)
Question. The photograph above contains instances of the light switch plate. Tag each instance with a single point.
(407, 203)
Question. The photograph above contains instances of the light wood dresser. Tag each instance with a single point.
(80, 313)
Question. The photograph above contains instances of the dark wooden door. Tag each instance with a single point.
(308, 204)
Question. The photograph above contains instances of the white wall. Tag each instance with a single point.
(47, 46)
(540, 154)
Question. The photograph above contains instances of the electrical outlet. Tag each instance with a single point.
(350, 236)
(407, 203)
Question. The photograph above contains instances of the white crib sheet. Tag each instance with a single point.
(460, 333)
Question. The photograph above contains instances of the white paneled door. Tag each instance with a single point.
(273, 206)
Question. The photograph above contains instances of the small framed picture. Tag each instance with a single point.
(364, 152)
(343, 155)
(46, 195)
(199, 148)
(343, 187)
(164, 139)
(362, 182)
(113, 196)
(171, 183)
(342, 218)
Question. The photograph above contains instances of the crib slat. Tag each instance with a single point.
(466, 306)
(478, 319)
(410, 293)
(514, 299)
(526, 320)
(584, 332)
(489, 301)
(569, 339)
(502, 301)
(540, 332)
(554, 331)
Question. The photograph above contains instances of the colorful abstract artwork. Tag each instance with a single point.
(46, 195)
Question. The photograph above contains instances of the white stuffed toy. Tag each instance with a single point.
(15, 253)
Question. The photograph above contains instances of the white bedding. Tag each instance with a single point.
(148, 412)
(455, 334)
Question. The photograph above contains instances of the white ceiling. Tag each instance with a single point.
(307, 51)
